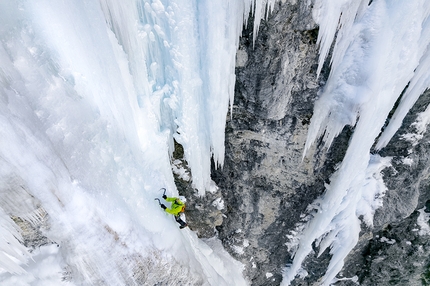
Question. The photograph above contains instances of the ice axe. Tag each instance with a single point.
(161, 205)
(163, 196)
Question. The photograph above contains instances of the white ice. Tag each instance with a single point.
(92, 94)
(46, 268)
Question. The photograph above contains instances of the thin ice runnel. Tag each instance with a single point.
(261, 10)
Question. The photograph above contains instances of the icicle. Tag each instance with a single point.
(34, 217)
(12, 252)
(261, 10)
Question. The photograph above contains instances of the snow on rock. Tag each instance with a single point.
(420, 126)
(180, 171)
(423, 221)
(238, 249)
(373, 189)
(218, 203)
(386, 240)
(408, 161)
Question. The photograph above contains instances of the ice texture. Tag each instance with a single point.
(92, 95)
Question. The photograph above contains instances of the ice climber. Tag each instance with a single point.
(175, 209)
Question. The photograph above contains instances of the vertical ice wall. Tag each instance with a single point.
(187, 49)
(381, 46)
(92, 95)
(69, 136)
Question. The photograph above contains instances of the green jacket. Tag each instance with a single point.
(176, 207)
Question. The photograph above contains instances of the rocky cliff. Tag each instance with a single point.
(267, 186)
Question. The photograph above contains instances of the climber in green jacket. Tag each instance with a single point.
(175, 209)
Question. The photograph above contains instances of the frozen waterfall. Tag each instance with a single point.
(94, 93)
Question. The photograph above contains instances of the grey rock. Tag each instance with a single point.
(33, 233)
(267, 184)
(265, 181)
(203, 213)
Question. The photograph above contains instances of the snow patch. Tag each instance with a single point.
(213, 188)
(388, 241)
(408, 161)
(423, 222)
(373, 189)
(352, 279)
(420, 126)
(238, 249)
(302, 273)
(180, 171)
(218, 204)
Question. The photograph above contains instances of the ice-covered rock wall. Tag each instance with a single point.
(351, 198)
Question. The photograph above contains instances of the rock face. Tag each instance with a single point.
(267, 184)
